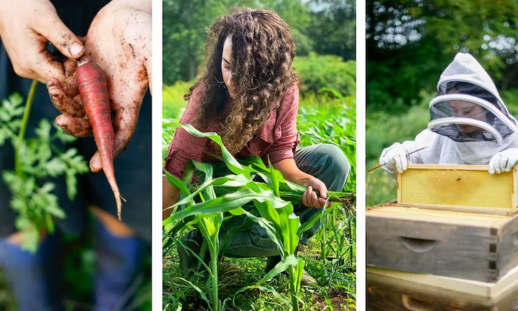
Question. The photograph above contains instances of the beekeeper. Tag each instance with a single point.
(469, 124)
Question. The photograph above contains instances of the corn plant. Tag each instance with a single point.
(240, 194)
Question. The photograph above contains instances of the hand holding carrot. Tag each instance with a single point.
(25, 27)
(119, 42)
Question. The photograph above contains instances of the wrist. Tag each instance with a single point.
(303, 180)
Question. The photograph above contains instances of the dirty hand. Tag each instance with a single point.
(25, 27)
(119, 41)
(310, 198)
(394, 158)
(503, 161)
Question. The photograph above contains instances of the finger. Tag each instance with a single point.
(304, 201)
(504, 161)
(323, 191)
(52, 28)
(510, 164)
(62, 102)
(321, 203)
(46, 67)
(493, 163)
(70, 66)
(399, 167)
(404, 162)
(500, 164)
(307, 196)
(78, 127)
(314, 200)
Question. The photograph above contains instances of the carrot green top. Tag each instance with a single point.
(277, 138)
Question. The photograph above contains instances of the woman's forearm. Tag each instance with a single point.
(292, 173)
(170, 196)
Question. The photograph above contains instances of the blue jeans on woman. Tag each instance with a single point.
(326, 162)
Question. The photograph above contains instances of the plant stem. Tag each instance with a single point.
(214, 267)
(25, 121)
(294, 301)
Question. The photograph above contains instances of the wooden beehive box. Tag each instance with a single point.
(458, 228)
(396, 290)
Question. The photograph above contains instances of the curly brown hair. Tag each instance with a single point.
(263, 50)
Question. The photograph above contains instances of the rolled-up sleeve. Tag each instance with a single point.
(284, 147)
(185, 146)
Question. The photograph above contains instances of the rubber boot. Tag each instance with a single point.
(119, 262)
(34, 278)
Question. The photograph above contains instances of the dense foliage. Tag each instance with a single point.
(410, 42)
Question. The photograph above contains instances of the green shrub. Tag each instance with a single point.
(172, 98)
(510, 99)
(318, 71)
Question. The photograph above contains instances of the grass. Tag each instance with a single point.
(335, 273)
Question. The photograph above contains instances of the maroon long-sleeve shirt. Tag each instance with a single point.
(277, 139)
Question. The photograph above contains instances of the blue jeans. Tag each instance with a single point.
(326, 162)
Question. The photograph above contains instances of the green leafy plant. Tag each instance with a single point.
(36, 160)
(270, 199)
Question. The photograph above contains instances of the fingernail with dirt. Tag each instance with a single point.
(76, 49)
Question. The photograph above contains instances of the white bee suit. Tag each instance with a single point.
(455, 136)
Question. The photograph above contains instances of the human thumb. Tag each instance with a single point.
(60, 36)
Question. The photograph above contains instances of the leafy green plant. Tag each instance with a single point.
(330, 120)
(36, 160)
(271, 200)
(316, 71)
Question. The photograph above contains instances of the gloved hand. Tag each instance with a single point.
(503, 161)
(394, 158)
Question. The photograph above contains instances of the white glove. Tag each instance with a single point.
(503, 161)
(394, 158)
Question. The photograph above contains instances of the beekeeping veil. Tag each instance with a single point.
(468, 107)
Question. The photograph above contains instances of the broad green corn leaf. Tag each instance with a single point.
(178, 183)
(227, 181)
(313, 220)
(274, 179)
(227, 203)
(231, 162)
(279, 268)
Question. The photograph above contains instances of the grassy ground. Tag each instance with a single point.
(336, 279)
(322, 119)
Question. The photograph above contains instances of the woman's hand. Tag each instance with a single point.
(310, 198)
(291, 172)
(25, 27)
(119, 41)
